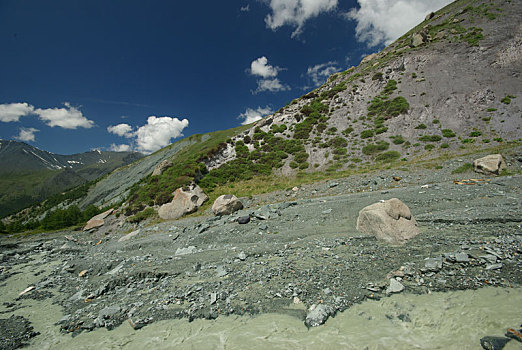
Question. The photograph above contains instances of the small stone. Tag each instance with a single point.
(395, 286)
(213, 298)
(184, 251)
(327, 211)
(494, 266)
(243, 219)
(82, 273)
(221, 271)
(333, 184)
(462, 257)
(433, 264)
(242, 256)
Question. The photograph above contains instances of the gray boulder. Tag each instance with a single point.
(318, 315)
(226, 204)
(186, 201)
(161, 167)
(390, 221)
(492, 164)
(418, 39)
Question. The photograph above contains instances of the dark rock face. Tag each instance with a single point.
(494, 343)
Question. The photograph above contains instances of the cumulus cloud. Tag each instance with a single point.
(11, 112)
(272, 85)
(124, 130)
(320, 72)
(158, 132)
(251, 115)
(26, 134)
(269, 82)
(260, 67)
(296, 12)
(68, 118)
(119, 148)
(383, 21)
(245, 8)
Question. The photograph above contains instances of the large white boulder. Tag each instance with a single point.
(186, 201)
(390, 221)
(226, 204)
(97, 220)
(490, 164)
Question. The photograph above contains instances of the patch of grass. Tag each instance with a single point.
(491, 109)
(388, 156)
(475, 134)
(448, 133)
(507, 99)
(444, 145)
(379, 146)
(377, 76)
(367, 134)
(430, 138)
(421, 126)
(397, 139)
(145, 214)
(463, 168)
(429, 147)
(498, 139)
(468, 141)
(436, 121)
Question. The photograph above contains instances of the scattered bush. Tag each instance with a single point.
(421, 126)
(507, 99)
(429, 147)
(142, 215)
(367, 134)
(375, 148)
(397, 139)
(468, 141)
(430, 138)
(388, 156)
(475, 134)
(448, 133)
(377, 76)
(347, 131)
(436, 121)
(498, 139)
(444, 145)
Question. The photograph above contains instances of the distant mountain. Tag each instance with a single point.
(29, 175)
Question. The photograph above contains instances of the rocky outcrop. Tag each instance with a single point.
(390, 221)
(492, 164)
(226, 204)
(161, 167)
(98, 220)
(186, 201)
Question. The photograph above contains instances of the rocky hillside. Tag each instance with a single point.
(448, 86)
(29, 175)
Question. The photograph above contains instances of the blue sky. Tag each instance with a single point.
(137, 75)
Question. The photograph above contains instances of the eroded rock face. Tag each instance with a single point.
(490, 164)
(390, 221)
(97, 220)
(161, 167)
(226, 204)
(185, 201)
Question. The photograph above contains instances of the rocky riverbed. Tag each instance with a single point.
(299, 256)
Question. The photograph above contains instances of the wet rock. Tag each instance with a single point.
(494, 343)
(226, 204)
(492, 164)
(395, 287)
(243, 219)
(97, 220)
(390, 221)
(318, 315)
(186, 201)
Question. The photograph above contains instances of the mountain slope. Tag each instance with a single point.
(29, 175)
(448, 86)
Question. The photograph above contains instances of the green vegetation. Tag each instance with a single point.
(491, 109)
(473, 36)
(397, 139)
(379, 146)
(367, 134)
(429, 147)
(391, 85)
(421, 126)
(347, 131)
(448, 133)
(468, 141)
(507, 99)
(444, 145)
(388, 156)
(377, 76)
(436, 121)
(463, 168)
(389, 108)
(475, 134)
(142, 215)
(498, 139)
(430, 138)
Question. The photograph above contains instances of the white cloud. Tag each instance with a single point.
(245, 8)
(123, 129)
(158, 132)
(252, 115)
(261, 68)
(119, 148)
(26, 134)
(383, 21)
(11, 112)
(272, 85)
(296, 12)
(67, 118)
(320, 72)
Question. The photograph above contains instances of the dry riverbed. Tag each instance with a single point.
(300, 252)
